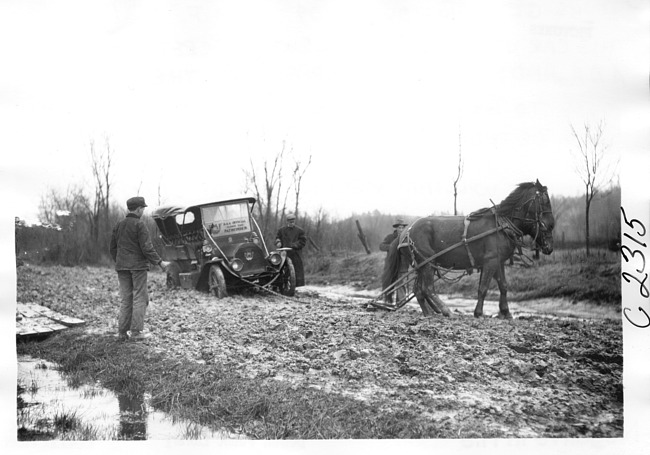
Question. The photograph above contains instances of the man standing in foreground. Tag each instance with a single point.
(291, 236)
(132, 251)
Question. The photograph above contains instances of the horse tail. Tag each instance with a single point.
(391, 265)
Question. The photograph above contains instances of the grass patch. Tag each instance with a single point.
(213, 396)
(356, 269)
(66, 421)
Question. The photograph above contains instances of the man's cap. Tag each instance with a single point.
(399, 222)
(291, 216)
(135, 202)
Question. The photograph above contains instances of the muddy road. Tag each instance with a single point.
(553, 371)
(548, 308)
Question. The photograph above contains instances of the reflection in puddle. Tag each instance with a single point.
(49, 401)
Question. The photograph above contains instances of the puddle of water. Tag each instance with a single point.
(111, 416)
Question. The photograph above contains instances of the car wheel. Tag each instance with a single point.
(173, 277)
(217, 282)
(288, 279)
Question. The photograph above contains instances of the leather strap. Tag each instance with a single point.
(469, 253)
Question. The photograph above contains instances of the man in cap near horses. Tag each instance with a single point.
(398, 226)
(132, 251)
(291, 236)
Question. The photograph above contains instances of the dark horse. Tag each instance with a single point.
(484, 240)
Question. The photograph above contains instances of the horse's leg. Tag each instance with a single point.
(430, 300)
(404, 259)
(504, 311)
(420, 295)
(487, 272)
(436, 304)
(434, 301)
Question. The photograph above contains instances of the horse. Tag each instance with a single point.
(483, 240)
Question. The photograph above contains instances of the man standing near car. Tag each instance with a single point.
(291, 236)
(132, 251)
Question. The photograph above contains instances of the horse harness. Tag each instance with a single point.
(539, 211)
(502, 223)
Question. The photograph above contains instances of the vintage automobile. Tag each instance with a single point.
(218, 247)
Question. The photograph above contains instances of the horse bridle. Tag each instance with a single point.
(539, 211)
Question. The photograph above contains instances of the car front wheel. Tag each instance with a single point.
(288, 279)
(217, 282)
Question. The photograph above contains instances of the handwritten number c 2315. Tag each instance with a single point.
(642, 287)
(632, 254)
(625, 310)
(632, 222)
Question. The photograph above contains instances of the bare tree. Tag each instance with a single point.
(267, 192)
(98, 213)
(272, 188)
(459, 173)
(73, 201)
(298, 174)
(591, 167)
(68, 211)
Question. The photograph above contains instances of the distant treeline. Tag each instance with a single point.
(73, 236)
(76, 225)
(569, 232)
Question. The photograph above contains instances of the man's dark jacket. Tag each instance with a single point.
(294, 237)
(131, 247)
(385, 245)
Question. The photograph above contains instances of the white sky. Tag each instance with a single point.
(376, 91)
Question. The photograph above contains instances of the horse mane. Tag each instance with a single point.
(515, 199)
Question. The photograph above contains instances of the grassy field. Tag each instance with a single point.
(567, 274)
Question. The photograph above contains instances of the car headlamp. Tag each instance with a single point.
(207, 249)
(237, 264)
(275, 259)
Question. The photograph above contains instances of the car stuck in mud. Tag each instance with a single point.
(218, 247)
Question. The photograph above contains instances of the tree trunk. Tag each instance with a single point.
(587, 204)
(362, 237)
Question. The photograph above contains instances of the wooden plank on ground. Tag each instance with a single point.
(34, 330)
(37, 320)
(40, 321)
(26, 311)
(33, 310)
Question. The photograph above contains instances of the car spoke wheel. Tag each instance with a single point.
(288, 279)
(217, 282)
(173, 277)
